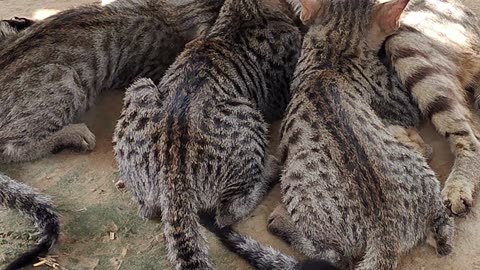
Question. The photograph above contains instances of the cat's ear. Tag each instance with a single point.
(387, 15)
(310, 9)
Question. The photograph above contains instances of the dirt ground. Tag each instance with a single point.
(92, 208)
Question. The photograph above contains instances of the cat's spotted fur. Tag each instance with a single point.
(198, 141)
(354, 195)
(53, 71)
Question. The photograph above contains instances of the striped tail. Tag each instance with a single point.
(258, 256)
(36, 207)
(187, 247)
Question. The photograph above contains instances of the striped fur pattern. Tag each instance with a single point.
(353, 195)
(373, 203)
(36, 207)
(436, 54)
(198, 140)
(54, 70)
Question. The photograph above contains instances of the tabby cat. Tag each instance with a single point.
(436, 54)
(54, 70)
(198, 141)
(354, 195)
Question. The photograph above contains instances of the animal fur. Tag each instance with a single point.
(198, 140)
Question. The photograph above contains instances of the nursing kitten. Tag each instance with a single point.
(198, 141)
(53, 72)
(436, 54)
(354, 195)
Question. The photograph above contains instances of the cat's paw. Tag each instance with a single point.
(458, 196)
(78, 136)
(444, 249)
(410, 137)
(278, 222)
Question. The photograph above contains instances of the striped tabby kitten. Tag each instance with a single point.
(198, 141)
(51, 75)
(436, 54)
(54, 71)
(354, 195)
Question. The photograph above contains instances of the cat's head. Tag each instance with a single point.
(353, 23)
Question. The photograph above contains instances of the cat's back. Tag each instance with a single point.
(441, 12)
(440, 32)
(86, 30)
(205, 78)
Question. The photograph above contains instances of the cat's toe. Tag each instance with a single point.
(458, 199)
(88, 138)
(444, 249)
(274, 226)
(79, 137)
(277, 221)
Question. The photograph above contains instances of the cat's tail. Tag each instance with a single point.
(36, 207)
(258, 256)
(187, 247)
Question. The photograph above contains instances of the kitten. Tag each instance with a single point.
(53, 72)
(49, 77)
(436, 54)
(354, 195)
(198, 141)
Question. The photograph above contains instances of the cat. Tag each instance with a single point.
(10, 28)
(198, 141)
(39, 209)
(54, 70)
(50, 59)
(354, 195)
(436, 54)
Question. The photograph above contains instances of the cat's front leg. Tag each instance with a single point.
(440, 99)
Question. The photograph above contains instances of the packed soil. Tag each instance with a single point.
(100, 226)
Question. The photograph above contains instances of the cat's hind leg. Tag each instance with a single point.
(234, 207)
(381, 254)
(247, 171)
(281, 225)
(46, 100)
(442, 231)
